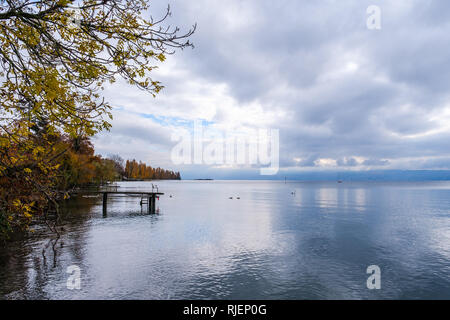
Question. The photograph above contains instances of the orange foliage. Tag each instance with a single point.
(135, 170)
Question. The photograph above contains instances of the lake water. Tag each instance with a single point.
(270, 244)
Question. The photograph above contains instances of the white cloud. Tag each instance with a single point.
(335, 89)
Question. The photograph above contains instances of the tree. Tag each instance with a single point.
(55, 58)
(135, 170)
(55, 63)
(118, 164)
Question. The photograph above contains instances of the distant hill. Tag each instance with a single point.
(369, 175)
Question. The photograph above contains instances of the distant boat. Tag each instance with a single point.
(339, 181)
(204, 179)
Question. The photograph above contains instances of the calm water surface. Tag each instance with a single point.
(269, 244)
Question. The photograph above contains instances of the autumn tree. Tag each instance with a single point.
(56, 56)
(140, 170)
(118, 164)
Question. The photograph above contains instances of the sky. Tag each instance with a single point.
(341, 95)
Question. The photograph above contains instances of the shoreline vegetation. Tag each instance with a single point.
(140, 171)
(54, 73)
(76, 167)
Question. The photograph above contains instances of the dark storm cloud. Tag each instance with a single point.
(375, 162)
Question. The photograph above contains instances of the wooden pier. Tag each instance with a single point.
(150, 198)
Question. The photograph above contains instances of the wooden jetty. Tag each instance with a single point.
(150, 197)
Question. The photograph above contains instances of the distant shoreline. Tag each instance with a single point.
(345, 176)
(144, 180)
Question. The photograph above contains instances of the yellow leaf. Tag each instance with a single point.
(161, 57)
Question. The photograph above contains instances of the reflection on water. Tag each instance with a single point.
(327, 197)
(338, 198)
(278, 241)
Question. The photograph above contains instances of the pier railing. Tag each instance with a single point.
(150, 196)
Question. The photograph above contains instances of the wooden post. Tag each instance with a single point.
(149, 205)
(105, 202)
(154, 203)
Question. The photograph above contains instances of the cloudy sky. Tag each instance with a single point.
(343, 96)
